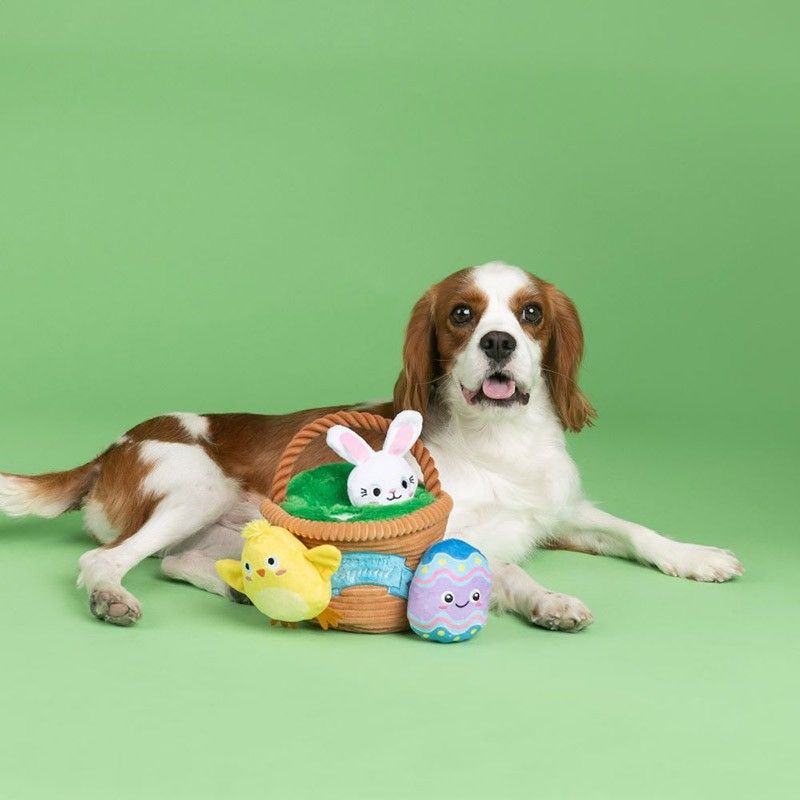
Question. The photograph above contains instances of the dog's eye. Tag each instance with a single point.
(461, 315)
(447, 597)
(532, 313)
(476, 596)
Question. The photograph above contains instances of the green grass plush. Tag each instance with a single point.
(321, 494)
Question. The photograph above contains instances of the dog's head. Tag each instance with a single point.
(484, 338)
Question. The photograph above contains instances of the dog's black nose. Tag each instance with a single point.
(498, 345)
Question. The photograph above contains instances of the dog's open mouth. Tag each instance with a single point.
(498, 389)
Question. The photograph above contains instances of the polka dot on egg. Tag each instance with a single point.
(461, 567)
(457, 639)
(440, 632)
(473, 631)
(442, 561)
(426, 636)
(424, 570)
(478, 560)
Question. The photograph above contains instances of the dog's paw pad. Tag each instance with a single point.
(560, 612)
(115, 606)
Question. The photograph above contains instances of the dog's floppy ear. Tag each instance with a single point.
(413, 387)
(562, 359)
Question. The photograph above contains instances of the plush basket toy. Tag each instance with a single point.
(379, 557)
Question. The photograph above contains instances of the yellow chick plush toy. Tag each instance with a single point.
(282, 577)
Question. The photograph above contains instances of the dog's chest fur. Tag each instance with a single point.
(512, 484)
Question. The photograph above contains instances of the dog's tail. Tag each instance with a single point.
(46, 495)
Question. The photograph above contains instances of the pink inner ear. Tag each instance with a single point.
(401, 441)
(355, 447)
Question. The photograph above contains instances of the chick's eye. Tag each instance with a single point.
(461, 314)
(248, 567)
(447, 597)
(532, 313)
(476, 596)
(272, 562)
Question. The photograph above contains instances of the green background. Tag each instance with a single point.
(233, 206)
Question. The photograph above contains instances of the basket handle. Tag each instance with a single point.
(352, 419)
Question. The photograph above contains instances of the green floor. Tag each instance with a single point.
(234, 206)
(679, 689)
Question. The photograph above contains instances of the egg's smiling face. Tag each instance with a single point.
(456, 599)
(448, 600)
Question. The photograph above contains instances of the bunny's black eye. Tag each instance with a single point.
(376, 491)
(461, 314)
(404, 483)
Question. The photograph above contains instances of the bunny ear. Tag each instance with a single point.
(349, 445)
(403, 432)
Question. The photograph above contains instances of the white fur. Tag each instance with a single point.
(195, 494)
(96, 522)
(17, 499)
(507, 468)
(515, 485)
(196, 425)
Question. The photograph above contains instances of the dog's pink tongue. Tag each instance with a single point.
(499, 388)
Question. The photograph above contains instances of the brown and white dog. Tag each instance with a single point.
(490, 359)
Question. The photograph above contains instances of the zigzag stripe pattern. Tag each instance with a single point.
(476, 620)
(456, 578)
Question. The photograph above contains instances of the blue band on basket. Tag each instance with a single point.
(373, 569)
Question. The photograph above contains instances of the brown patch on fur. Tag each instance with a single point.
(248, 446)
(433, 340)
(69, 486)
(119, 490)
(562, 346)
(162, 429)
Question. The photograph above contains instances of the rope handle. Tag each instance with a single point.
(351, 419)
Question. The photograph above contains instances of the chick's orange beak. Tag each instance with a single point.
(261, 572)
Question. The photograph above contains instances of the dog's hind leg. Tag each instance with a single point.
(195, 561)
(191, 493)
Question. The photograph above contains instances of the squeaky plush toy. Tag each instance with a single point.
(383, 477)
(282, 577)
(448, 598)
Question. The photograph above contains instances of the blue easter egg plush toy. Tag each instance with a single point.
(448, 599)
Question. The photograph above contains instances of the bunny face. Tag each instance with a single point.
(384, 477)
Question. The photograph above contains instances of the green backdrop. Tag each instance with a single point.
(233, 206)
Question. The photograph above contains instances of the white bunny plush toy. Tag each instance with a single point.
(383, 477)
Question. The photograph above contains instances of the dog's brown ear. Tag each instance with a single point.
(562, 359)
(413, 387)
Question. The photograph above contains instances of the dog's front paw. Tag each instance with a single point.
(700, 563)
(113, 604)
(560, 612)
